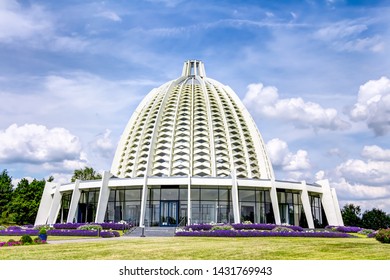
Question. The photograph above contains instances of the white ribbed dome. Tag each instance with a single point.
(192, 126)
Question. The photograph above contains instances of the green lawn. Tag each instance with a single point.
(205, 248)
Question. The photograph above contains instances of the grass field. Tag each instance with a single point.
(203, 248)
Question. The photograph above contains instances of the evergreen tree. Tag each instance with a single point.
(375, 219)
(5, 194)
(351, 215)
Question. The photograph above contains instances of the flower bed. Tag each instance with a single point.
(244, 226)
(113, 226)
(344, 229)
(106, 234)
(72, 232)
(258, 233)
(18, 232)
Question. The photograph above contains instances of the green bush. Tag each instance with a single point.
(90, 227)
(3, 228)
(383, 235)
(26, 239)
(282, 229)
(43, 231)
(222, 227)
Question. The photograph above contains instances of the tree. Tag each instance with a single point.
(375, 219)
(88, 173)
(5, 193)
(24, 204)
(351, 215)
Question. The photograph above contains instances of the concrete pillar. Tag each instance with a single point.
(74, 202)
(103, 198)
(45, 204)
(189, 205)
(275, 203)
(55, 206)
(327, 203)
(337, 207)
(144, 197)
(236, 209)
(306, 205)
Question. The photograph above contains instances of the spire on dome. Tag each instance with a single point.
(194, 68)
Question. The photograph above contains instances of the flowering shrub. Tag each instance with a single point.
(114, 226)
(372, 234)
(3, 228)
(199, 227)
(19, 232)
(246, 233)
(90, 227)
(366, 231)
(10, 242)
(383, 235)
(14, 228)
(348, 229)
(75, 232)
(222, 227)
(264, 227)
(281, 229)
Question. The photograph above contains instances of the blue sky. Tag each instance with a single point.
(315, 75)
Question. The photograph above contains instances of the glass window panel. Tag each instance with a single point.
(195, 194)
(154, 194)
(183, 194)
(112, 195)
(169, 194)
(209, 194)
(289, 198)
(246, 195)
(133, 194)
(281, 197)
(224, 194)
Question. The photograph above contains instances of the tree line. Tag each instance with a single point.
(371, 219)
(19, 204)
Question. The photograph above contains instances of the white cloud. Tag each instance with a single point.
(103, 146)
(110, 15)
(33, 143)
(373, 105)
(282, 158)
(17, 22)
(375, 152)
(349, 36)
(265, 100)
(364, 182)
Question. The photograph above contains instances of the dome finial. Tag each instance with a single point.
(193, 68)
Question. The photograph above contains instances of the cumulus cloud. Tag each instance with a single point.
(282, 158)
(373, 105)
(265, 100)
(37, 144)
(365, 181)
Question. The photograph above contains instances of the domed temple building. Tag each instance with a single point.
(191, 154)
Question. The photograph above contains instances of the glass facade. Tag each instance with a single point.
(291, 209)
(124, 204)
(255, 205)
(168, 206)
(87, 206)
(317, 211)
(211, 205)
(65, 204)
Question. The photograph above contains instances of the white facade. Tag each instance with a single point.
(191, 153)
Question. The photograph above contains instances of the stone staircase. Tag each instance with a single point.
(152, 232)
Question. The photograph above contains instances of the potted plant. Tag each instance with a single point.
(42, 234)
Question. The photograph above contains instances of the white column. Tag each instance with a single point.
(55, 206)
(337, 207)
(274, 201)
(143, 202)
(74, 202)
(189, 205)
(103, 198)
(327, 203)
(236, 209)
(45, 204)
(306, 205)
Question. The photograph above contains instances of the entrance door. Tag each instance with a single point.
(169, 213)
